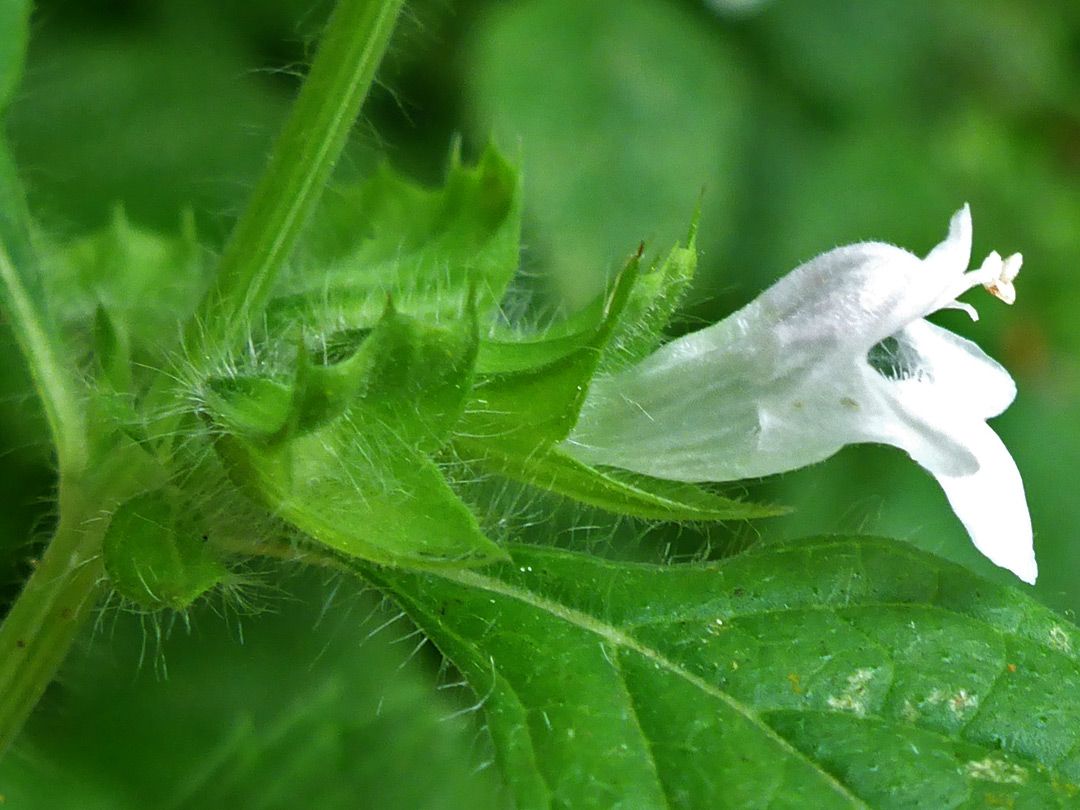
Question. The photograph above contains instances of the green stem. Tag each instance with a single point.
(311, 141)
(64, 589)
(53, 606)
(53, 382)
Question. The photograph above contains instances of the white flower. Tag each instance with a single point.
(835, 353)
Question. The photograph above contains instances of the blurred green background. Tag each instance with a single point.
(802, 124)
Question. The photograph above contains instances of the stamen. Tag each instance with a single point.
(963, 307)
(1002, 287)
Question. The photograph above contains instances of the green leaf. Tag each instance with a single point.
(652, 303)
(250, 407)
(342, 451)
(358, 488)
(411, 377)
(157, 556)
(418, 377)
(145, 281)
(623, 492)
(507, 353)
(847, 673)
(431, 249)
(525, 411)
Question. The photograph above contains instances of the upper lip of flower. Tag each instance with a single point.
(789, 379)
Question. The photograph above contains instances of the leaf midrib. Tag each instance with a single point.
(623, 640)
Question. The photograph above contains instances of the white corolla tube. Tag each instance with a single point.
(835, 353)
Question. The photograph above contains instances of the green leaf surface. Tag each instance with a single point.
(523, 412)
(623, 492)
(507, 353)
(358, 488)
(829, 673)
(430, 249)
(418, 377)
(412, 378)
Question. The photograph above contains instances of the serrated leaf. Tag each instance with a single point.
(431, 249)
(524, 412)
(652, 303)
(156, 555)
(411, 377)
(147, 282)
(255, 408)
(419, 377)
(829, 673)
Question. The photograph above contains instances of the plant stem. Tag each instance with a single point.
(63, 590)
(53, 606)
(53, 382)
(311, 141)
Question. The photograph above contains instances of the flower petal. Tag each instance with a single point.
(991, 503)
(682, 414)
(962, 375)
(955, 250)
(852, 297)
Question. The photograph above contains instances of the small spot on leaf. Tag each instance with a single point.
(962, 702)
(1060, 640)
(857, 694)
(996, 770)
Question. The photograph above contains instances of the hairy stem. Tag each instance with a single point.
(64, 589)
(52, 608)
(310, 143)
(55, 384)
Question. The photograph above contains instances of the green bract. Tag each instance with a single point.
(156, 554)
(353, 442)
(340, 450)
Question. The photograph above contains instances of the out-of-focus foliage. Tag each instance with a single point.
(327, 696)
(811, 123)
